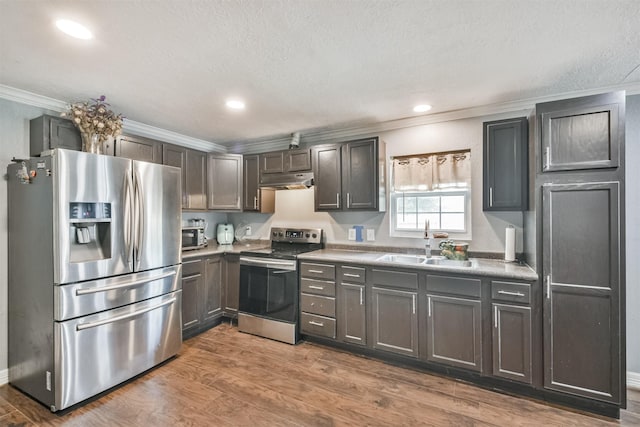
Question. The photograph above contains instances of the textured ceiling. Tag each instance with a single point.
(310, 64)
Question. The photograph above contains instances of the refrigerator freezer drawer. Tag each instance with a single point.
(97, 352)
(82, 299)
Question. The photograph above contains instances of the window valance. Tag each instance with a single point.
(432, 171)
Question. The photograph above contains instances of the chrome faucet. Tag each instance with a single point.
(427, 246)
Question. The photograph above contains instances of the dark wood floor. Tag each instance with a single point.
(226, 378)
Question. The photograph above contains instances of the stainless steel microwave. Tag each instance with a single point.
(193, 238)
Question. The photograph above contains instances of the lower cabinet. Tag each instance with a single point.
(231, 285)
(201, 293)
(352, 314)
(395, 321)
(512, 342)
(454, 334)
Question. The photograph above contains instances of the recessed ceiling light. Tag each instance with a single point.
(74, 29)
(235, 104)
(421, 108)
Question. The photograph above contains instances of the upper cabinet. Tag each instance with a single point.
(255, 199)
(350, 176)
(196, 180)
(173, 155)
(505, 163)
(285, 161)
(225, 182)
(582, 134)
(138, 148)
(48, 132)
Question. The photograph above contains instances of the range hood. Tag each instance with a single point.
(287, 181)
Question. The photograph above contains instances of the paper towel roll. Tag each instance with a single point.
(510, 244)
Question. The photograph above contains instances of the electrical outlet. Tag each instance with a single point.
(352, 234)
(371, 234)
(247, 230)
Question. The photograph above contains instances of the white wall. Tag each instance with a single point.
(295, 207)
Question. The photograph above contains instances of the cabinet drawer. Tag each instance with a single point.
(318, 271)
(454, 285)
(318, 325)
(315, 304)
(511, 292)
(318, 287)
(192, 267)
(351, 274)
(397, 279)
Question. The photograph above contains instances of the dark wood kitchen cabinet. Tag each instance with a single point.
(231, 286)
(512, 330)
(296, 160)
(583, 274)
(395, 321)
(138, 148)
(350, 176)
(196, 177)
(48, 132)
(505, 165)
(172, 155)
(580, 245)
(582, 133)
(225, 182)
(317, 299)
(253, 197)
(201, 294)
(454, 319)
(352, 305)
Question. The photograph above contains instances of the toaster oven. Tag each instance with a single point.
(193, 238)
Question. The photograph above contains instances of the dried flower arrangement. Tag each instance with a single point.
(95, 118)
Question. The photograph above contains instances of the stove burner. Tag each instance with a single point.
(288, 243)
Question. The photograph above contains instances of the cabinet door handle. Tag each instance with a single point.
(320, 288)
(495, 316)
(491, 196)
(547, 159)
(413, 302)
(255, 202)
(548, 279)
(429, 304)
(348, 201)
(350, 275)
(515, 294)
(338, 200)
(361, 297)
(316, 271)
(314, 323)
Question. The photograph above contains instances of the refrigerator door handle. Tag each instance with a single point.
(139, 218)
(80, 292)
(128, 219)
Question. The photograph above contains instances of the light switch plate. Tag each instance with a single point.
(248, 230)
(371, 234)
(352, 234)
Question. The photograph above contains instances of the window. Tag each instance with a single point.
(444, 210)
(432, 187)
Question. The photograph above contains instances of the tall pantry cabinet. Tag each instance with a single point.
(578, 225)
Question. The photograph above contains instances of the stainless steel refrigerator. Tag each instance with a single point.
(94, 273)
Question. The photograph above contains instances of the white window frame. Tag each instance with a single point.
(419, 232)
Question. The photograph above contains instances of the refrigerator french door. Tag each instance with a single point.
(94, 273)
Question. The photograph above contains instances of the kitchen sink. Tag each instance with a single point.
(448, 262)
(402, 258)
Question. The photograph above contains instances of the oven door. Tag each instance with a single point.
(269, 288)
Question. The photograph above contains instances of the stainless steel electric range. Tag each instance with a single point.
(269, 284)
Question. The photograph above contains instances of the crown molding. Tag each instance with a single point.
(129, 126)
(312, 136)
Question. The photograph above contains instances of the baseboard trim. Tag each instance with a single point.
(633, 380)
(4, 376)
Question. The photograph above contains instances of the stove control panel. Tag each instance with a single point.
(296, 235)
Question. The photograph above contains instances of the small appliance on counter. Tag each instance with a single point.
(193, 238)
(224, 234)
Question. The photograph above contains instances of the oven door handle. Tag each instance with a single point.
(289, 265)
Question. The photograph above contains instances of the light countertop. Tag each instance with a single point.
(214, 249)
(481, 267)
